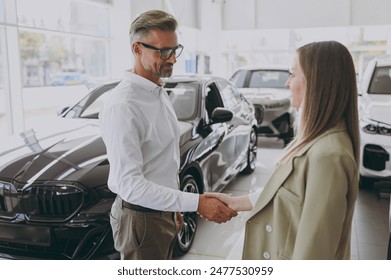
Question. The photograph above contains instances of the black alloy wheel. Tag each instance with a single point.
(190, 219)
(251, 153)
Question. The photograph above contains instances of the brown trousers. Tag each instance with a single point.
(142, 236)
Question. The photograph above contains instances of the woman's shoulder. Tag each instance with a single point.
(335, 143)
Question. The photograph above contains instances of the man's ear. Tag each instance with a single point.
(136, 49)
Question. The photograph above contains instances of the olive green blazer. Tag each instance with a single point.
(306, 208)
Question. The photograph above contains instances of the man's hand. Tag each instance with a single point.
(214, 210)
(236, 203)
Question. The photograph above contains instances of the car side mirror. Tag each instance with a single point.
(221, 115)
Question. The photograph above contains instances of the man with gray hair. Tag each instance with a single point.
(141, 133)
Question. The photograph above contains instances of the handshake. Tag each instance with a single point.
(220, 207)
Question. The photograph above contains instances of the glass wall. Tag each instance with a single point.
(67, 46)
(3, 59)
(54, 59)
(3, 121)
(62, 47)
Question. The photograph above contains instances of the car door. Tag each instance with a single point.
(220, 141)
(240, 126)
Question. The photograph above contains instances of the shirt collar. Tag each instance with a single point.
(143, 82)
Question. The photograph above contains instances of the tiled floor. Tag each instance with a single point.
(224, 241)
(370, 226)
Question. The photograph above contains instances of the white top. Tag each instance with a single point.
(141, 133)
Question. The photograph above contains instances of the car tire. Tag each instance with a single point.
(389, 248)
(251, 153)
(185, 236)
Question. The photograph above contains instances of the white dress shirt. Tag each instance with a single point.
(141, 133)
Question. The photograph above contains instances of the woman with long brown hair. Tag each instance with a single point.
(305, 210)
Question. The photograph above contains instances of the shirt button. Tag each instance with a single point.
(269, 228)
(266, 255)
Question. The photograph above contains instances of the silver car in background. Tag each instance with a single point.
(265, 88)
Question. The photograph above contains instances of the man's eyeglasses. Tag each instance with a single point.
(165, 53)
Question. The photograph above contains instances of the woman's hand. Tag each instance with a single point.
(236, 203)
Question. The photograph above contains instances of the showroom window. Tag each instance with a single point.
(6, 19)
(3, 126)
(55, 57)
(67, 46)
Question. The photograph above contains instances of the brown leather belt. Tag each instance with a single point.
(138, 207)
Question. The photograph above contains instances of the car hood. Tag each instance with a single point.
(74, 151)
(377, 107)
(259, 94)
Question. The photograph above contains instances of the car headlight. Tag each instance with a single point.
(385, 130)
(373, 127)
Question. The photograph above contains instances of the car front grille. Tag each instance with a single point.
(41, 202)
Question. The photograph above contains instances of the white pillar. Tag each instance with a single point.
(12, 77)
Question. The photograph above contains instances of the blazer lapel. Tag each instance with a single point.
(279, 175)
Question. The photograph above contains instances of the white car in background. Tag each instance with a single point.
(375, 123)
(265, 87)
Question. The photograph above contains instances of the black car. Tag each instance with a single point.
(54, 200)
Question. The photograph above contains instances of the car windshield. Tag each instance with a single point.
(268, 79)
(90, 106)
(381, 81)
(183, 95)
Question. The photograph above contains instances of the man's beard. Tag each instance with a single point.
(164, 73)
